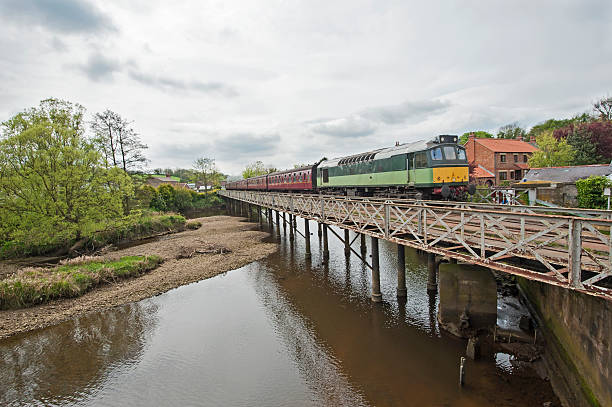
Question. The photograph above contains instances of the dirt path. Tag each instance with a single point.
(244, 241)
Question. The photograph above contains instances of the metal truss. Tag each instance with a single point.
(565, 247)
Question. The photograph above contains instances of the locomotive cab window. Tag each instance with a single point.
(449, 153)
(325, 175)
(461, 154)
(436, 154)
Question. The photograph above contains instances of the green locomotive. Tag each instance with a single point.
(422, 169)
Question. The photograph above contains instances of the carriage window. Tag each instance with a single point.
(436, 154)
(449, 153)
(461, 154)
(420, 160)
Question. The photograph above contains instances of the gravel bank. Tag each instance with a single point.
(223, 243)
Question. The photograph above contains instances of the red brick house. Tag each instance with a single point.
(494, 161)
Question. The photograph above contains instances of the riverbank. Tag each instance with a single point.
(223, 243)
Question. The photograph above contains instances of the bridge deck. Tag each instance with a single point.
(566, 247)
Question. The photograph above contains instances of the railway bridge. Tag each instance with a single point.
(564, 247)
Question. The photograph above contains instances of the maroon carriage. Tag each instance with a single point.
(298, 179)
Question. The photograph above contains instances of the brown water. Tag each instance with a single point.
(281, 332)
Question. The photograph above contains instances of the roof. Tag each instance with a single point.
(506, 145)
(482, 172)
(567, 174)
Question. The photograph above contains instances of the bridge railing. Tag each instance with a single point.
(572, 251)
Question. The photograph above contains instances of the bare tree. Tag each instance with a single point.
(207, 171)
(118, 141)
(604, 108)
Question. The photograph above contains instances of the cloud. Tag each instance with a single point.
(171, 84)
(66, 16)
(352, 126)
(99, 67)
(367, 121)
(413, 111)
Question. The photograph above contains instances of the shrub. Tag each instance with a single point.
(194, 225)
(36, 286)
(590, 192)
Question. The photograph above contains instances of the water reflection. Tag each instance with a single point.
(289, 330)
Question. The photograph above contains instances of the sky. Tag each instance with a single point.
(288, 82)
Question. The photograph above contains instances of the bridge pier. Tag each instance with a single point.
(291, 233)
(376, 295)
(270, 223)
(307, 236)
(432, 268)
(401, 272)
(347, 243)
(284, 223)
(364, 247)
(259, 217)
(325, 242)
(319, 231)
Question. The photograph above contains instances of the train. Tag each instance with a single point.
(425, 169)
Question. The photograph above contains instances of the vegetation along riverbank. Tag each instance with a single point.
(221, 244)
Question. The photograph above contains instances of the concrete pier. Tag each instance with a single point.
(319, 230)
(364, 247)
(376, 294)
(347, 243)
(307, 236)
(432, 268)
(325, 242)
(401, 272)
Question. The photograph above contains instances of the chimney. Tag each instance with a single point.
(532, 139)
(471, 136)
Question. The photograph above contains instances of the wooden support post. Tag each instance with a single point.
(364, 247)
(347, 243)
(284, 223)
(277, 223)
(376, 295)
(319, 230)
(401, 271)
(259, 218)
(291, 233)
(307, 236)
(325, 242)
(432, 268)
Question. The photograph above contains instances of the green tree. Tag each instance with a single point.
(478, 134)
(585, 151)
(511, 131)
(552, 153)
(52, 185)
(207, 172)
(254, 169)
(554, 124)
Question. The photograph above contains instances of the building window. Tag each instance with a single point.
(503, 176)
(502, 158)
(511, 174)
(525, 158)
(515, 158)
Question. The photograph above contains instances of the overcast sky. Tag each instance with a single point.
(291, 81)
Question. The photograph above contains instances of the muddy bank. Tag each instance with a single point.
(223, 243)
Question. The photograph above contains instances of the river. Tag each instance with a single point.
(285, 331)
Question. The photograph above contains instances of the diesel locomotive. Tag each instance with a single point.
(422, 169)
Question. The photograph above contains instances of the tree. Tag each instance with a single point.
(554, 124)
(52, 186)
(477, 134)
(511, 131)
(603, 108)
(207, 172)
(585, 152)
(118, 141)
(598, 133)
(552, 153)
(254, 169)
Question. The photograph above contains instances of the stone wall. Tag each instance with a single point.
(579, 335)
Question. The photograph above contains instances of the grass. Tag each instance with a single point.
(194, 225)
(37, 286)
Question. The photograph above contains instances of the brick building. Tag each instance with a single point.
(494, 161)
